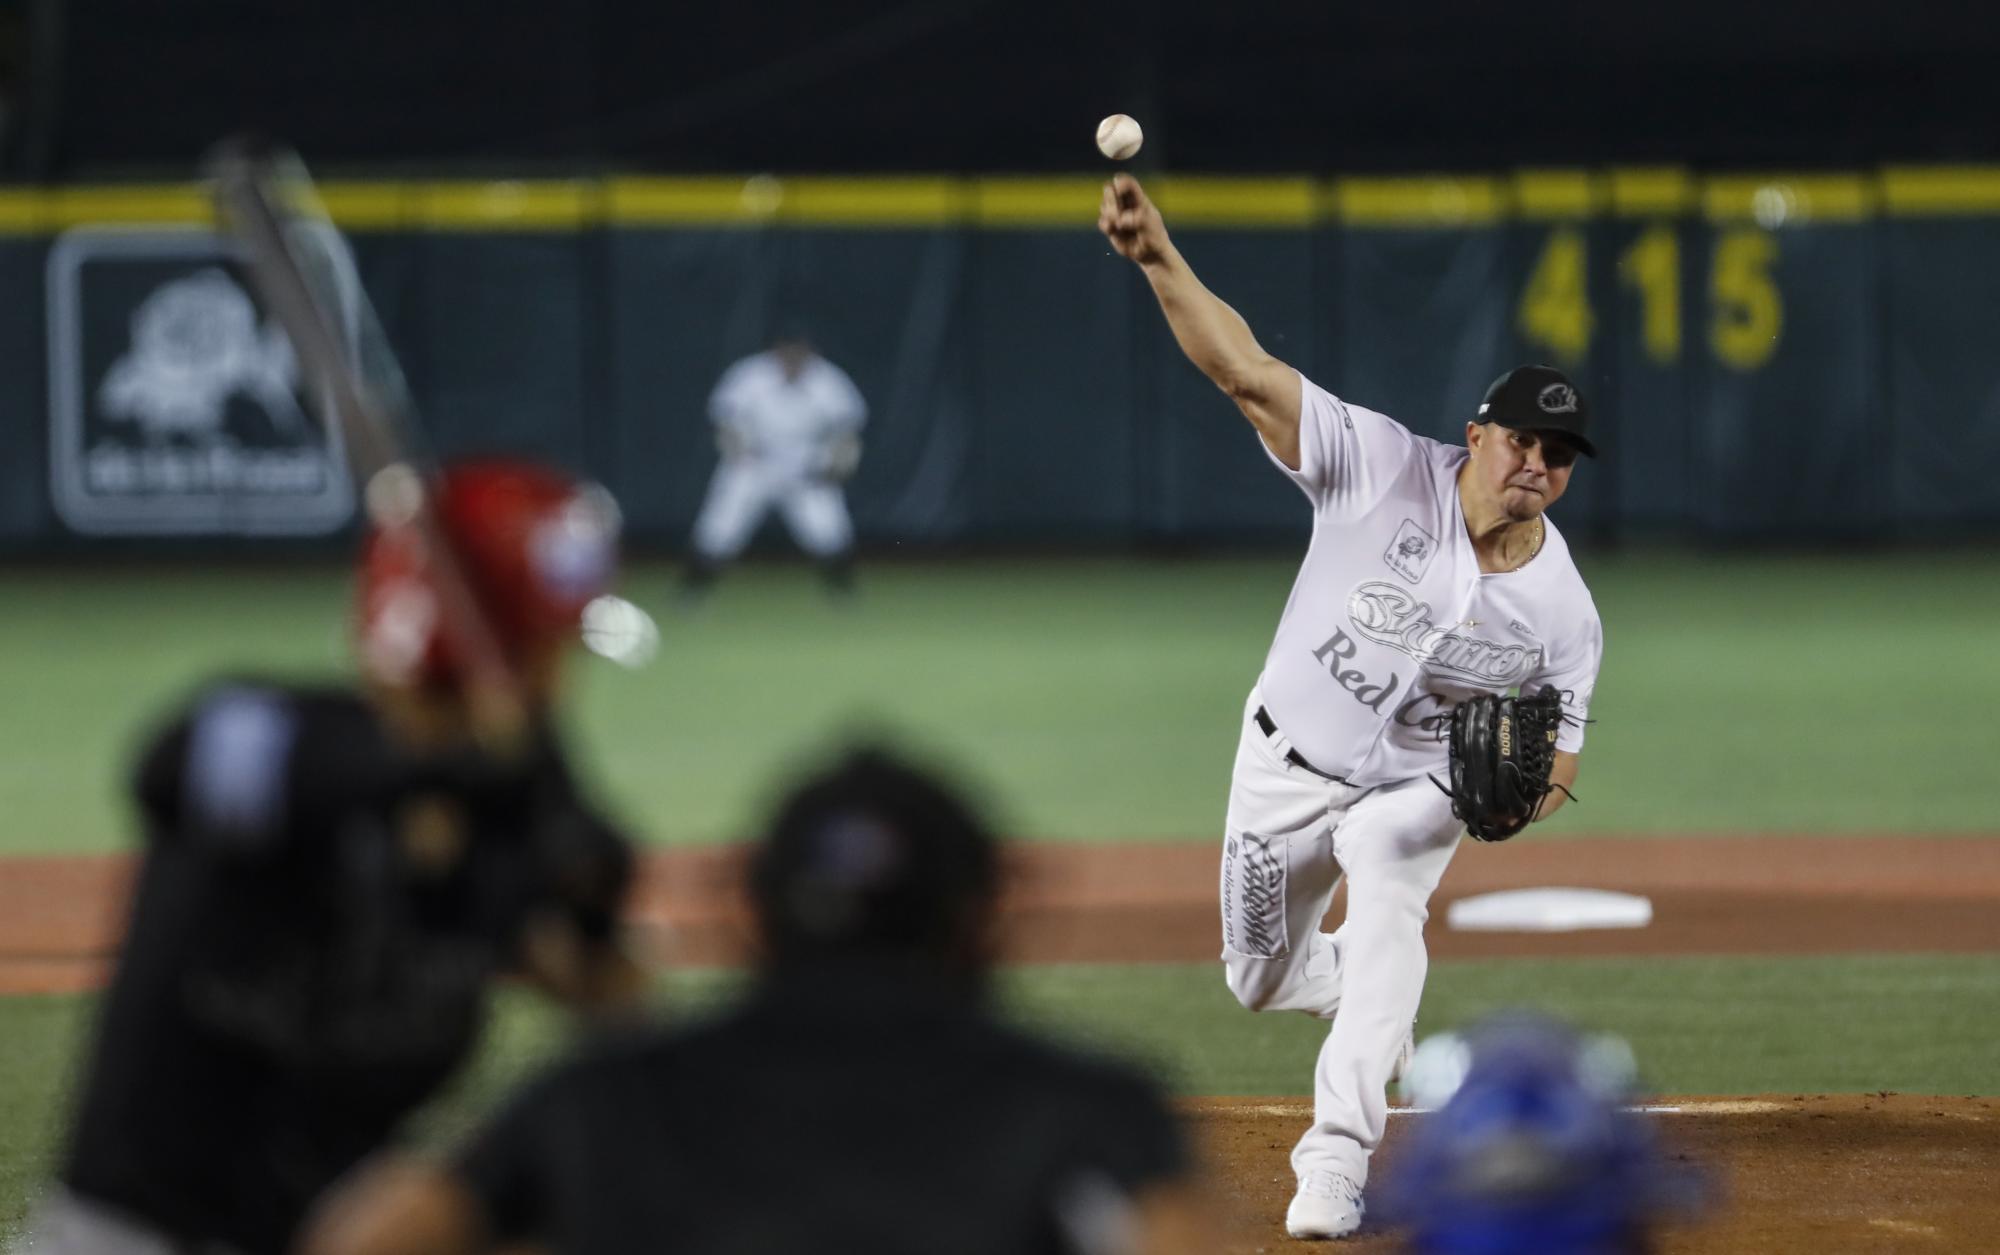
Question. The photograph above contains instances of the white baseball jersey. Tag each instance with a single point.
(787, 423)
(1390, 622)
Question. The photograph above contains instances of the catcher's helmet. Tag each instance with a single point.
(1533, 1151)
(535, 546)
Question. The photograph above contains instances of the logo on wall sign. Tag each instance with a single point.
(1410, 554)
(174, 409)
(1557, 398)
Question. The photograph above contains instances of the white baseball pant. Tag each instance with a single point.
(1290, 835)
(743, 491)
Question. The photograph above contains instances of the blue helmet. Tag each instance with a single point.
(1533, 1151)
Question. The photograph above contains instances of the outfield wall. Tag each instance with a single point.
(1771, 357)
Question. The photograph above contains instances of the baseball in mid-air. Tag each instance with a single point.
(1119, 136)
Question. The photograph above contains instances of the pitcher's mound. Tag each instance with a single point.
(1796, 1174)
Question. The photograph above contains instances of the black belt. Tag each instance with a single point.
(1296, 759)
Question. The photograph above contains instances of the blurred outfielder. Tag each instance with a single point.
(788, 426)
(331, 882)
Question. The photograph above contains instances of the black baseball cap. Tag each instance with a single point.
(875, 856)
(1539, 398)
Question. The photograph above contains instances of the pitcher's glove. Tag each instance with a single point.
(1502, 750)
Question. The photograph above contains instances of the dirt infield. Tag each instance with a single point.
(1796, 1174)
(1881, 1172)
(59, 917)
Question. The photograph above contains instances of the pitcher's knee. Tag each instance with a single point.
(1257, 983)
(1397, 909)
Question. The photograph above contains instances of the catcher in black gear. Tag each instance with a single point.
(1502, 751)
(865, 1040)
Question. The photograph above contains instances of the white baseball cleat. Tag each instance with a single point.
(1328, 1205)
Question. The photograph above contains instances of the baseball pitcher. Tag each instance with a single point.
(788, 426)
(1433, 586)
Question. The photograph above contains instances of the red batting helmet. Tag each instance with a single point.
(535, 545)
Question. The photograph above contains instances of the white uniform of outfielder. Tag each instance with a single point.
(1432, 576)
(788, 440)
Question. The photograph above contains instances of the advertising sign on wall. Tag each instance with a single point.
(175, 408)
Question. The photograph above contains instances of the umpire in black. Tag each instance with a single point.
(862, 1099)
(333, 879)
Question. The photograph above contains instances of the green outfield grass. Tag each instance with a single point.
(1919, 1024)
(1097, 698)
(1911, 1023)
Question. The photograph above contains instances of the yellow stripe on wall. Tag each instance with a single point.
(507, 205)
(765, 200)
(889, 202)
(369, 206)
(1651, 192)
(1773, 200)
(136, 204)
(23, 211)
(1441, 201)
(1063, 203)
(1941, 191)
(685, 202)
(1556, 195)
(884, 202)
(1009, 202)
(1226, 202)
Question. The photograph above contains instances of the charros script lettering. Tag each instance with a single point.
(1392, 616)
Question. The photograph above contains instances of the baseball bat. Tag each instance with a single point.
(266, 201)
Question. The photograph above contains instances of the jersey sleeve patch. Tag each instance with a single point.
(238, 766)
